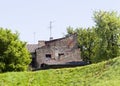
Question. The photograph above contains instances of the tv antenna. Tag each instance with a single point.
(51, 30)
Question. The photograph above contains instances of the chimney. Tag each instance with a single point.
(41, 43)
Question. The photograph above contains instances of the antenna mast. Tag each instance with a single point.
(51, 30)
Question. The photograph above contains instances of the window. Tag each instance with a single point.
(48, 55)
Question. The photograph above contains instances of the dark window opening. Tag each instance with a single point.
(48, 55)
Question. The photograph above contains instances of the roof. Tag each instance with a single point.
(32, 47)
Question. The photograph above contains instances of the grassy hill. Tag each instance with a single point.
(102, 74)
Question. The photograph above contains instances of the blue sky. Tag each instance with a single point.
(30, 17)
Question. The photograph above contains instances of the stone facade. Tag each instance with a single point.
(58, 51)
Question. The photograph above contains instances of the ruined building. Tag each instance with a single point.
(56, 51)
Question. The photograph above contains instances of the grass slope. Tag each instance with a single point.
(102, 74)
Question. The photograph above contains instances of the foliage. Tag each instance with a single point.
(70, 30)
(101, 74)
(108, 31)
(87, 42)
(13, 53)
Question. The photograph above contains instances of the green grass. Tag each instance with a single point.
(102, 74)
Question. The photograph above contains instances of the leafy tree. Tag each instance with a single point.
(108, 31)
(87, 41)
(13, 53)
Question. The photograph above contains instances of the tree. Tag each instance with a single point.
(108, 31)
(13, 53)
(87, 42)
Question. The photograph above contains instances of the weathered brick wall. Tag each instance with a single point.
(64, 49)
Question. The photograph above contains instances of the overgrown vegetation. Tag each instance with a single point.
(106, 73)
(101, 42)
(13, 53)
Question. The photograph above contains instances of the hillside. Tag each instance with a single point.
(102, 74)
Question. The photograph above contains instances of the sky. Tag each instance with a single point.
(31, 18)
